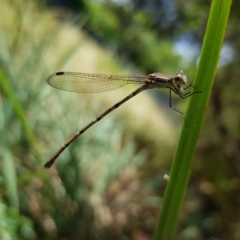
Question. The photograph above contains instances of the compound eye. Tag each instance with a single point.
(180, 77)
(179, 73)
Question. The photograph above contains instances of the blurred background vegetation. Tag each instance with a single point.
(109, 183)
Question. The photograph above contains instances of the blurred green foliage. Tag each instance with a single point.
(130, 36)
(107, 185)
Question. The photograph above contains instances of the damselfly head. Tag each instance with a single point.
(180, 78)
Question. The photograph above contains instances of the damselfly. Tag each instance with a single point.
(92, 83)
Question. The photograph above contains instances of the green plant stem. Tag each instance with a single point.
(180, 171)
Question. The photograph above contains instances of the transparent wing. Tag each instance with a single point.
(91, 83)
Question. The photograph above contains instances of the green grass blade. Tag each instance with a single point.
(10, 177)
(17, 107)
(179, 175)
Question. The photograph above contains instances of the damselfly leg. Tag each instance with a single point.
(180, 93)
